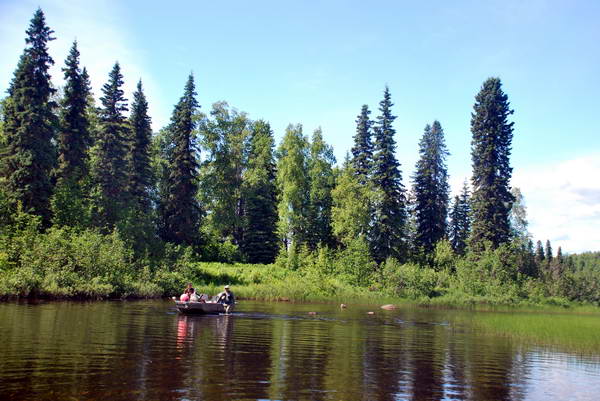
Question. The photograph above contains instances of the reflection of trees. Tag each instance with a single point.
(248, 360)
(129, 351)
(385, 361)
(455, 382)
(344, 372)
(305, 353)
(427, 360)
(490, 365)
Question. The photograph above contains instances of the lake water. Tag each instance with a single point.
(145, 350)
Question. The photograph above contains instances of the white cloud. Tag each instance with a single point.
(102, 39)
(563, 202)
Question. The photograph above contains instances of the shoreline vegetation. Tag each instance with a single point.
(95, 205)
(65, 263)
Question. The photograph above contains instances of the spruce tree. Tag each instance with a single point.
(293, 187)
(322, 182)
(539, 252)
(490, 152)
(140, 175)
(559, 256)
(548, 252)
(260, 243)
(69, 202)
(390, 208)
(362, 151)
(110, 165)
(460, 224)
(430, 183)
(137, 225)
(29, 154)
(73, 136)
(180, 211)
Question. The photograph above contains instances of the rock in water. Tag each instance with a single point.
(389, 307)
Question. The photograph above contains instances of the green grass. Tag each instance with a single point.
(570, 331)
(270, 283)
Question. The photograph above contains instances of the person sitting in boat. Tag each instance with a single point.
(193, 295)
(226, 297)
(184, 297)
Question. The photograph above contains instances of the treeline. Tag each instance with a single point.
(214, 187)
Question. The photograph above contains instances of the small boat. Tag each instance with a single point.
(200, 308)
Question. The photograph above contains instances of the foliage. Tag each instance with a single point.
(362, 151)
(225, 139)
(292, 186)
(73, 136)
(491, 201)
(389, 211)
(179, 210)
(351, 209)
(140, 175)
(70, 201)
(29, 155)
(260, 243)
(110, 158)
(460, 221)
(322, 182)
(518, 216)
(430, 183)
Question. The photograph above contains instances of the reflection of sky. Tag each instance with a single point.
(555, 376)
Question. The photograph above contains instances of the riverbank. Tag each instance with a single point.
(254, 282)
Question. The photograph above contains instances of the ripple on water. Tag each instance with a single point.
(143, 350)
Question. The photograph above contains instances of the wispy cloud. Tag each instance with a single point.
(563, 202)
(102, 39)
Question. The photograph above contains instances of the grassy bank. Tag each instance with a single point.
(576, 332)
(64, 263)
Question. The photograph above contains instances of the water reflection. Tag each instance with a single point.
(143, 351)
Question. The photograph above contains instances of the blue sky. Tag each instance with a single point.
(317, 62)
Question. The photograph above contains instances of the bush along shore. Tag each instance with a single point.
(64, 263)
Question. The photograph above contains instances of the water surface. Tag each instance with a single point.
(145, 350)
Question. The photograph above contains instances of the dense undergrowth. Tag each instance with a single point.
(69, 263)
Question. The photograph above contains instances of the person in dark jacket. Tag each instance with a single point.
(226, 297)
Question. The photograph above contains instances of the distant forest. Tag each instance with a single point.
(215, 187)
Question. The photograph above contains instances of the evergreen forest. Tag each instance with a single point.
(95, 204)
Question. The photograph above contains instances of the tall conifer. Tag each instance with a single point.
(69, 202)
(260, 243)
(73, 136)
(390, 207)
(430, 183)
(548, 251)
(110, 167)
(362, 151)
(180, 211)
(460, 224)
(140, 174)
(490, 152)
(29, 155)
(539, 252)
